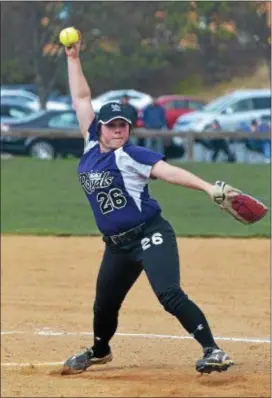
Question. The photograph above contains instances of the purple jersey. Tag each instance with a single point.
(116, 184)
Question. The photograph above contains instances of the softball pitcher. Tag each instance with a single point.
(114, 175)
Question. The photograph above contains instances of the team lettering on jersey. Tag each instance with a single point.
(108, 201)
(93, 180)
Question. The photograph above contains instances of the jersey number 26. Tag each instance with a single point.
(109, 201)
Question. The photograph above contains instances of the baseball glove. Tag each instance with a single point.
(241, 206)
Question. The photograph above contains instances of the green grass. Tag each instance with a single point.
(45, 198)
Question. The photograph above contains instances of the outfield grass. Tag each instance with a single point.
(44, 197)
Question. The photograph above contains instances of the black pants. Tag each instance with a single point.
(222, 145)
(216, 146)
(156, 253)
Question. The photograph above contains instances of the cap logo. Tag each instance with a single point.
(115, 108)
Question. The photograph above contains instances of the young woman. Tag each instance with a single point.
(114, 175)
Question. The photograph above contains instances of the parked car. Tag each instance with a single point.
(22, 96)
(66, 99)
(136, 98)
(13, 110)
(32, 100)
(44, 147)
(30, 87)
(230, 110)
(175, 106)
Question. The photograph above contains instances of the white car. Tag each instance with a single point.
(136, 98)
(230, 110)
(31, 99)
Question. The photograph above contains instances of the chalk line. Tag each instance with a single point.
(30, 364)
(48, 332)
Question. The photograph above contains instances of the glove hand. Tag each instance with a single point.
(241, 206)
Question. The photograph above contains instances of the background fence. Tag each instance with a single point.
(190, 137)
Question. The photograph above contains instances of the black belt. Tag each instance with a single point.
(131, 234)
(125, 237)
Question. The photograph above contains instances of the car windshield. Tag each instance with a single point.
(114, 98)
(30, 117)
(19, 98)
(183, 122)
(217, 104)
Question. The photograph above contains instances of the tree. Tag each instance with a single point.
(120, 48)
(150, 46)
(31, 47)
(223, 32)
(252, 25)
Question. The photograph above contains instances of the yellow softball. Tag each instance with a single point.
(69, 36)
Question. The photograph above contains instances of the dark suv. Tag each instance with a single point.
(44, 147)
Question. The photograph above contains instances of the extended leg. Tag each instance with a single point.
(116, 276)
(161, 264)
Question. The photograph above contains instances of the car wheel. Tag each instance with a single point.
(42, 150)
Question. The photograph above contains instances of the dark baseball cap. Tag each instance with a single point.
(112, 111)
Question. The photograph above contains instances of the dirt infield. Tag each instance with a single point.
(47, 294)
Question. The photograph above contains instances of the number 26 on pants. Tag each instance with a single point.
(156, 239)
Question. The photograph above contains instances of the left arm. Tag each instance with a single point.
(179, 176)
(228, 198)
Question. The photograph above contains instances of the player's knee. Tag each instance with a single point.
(173, 299)
(109, 310)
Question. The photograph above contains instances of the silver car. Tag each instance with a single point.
(31, 99)
(230, 110)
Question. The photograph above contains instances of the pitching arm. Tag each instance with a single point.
(80, 90)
